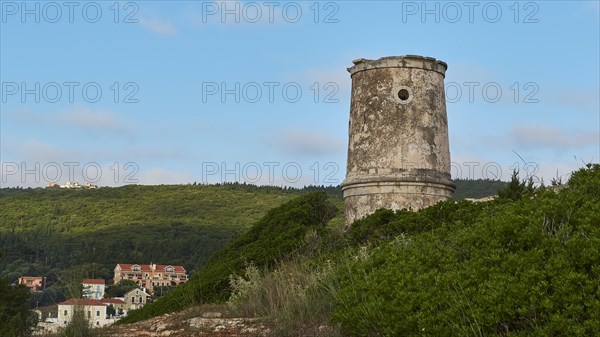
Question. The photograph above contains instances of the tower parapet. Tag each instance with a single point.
(398, 149)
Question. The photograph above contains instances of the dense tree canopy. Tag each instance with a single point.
(15, 318)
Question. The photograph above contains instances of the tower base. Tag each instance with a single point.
(362, 198)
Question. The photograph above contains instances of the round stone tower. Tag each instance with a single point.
(398, 151)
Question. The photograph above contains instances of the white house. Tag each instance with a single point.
(136, 298)
(93, 310)
(71, 185)
(93, 288)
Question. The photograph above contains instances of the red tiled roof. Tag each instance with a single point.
(91, 302)
(93, 281)
(112, 301)
(83, 301)
(146, 267)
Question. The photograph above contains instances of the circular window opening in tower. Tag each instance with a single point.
(403, 94)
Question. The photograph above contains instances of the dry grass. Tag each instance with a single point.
(296, 297)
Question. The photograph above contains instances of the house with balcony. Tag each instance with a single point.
(93, 288)
(149, 276)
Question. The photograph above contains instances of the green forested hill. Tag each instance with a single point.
(45, 231)
(48, 231)
(57, 232)
(476, 188)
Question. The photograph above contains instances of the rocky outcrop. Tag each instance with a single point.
(184, 324)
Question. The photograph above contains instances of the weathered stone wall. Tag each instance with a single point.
(398, 151)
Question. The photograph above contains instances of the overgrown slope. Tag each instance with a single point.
(528, 265)
(525, 264)
(277, 235)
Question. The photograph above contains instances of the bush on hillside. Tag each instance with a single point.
(528, 267)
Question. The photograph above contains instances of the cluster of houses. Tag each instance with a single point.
(101, 311)
(74, 184)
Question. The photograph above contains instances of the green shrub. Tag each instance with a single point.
(528, 267)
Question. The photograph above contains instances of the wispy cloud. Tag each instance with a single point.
(156, 176)
(339, 77)
(100, 120)
(236, 12)
(73, 119)
(308, 143)
(585, 99)
(159, 26)
(45, 152)
(464, 72)
(550, 137)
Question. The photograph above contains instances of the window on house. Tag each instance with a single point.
(89, 314)
(66, 313)
(132, 299)
(169, 269)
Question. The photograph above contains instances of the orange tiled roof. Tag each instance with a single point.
(146, 267)
(93, 281)
(91, 302)
(112, 301)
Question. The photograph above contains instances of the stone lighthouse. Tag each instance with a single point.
(398, 151)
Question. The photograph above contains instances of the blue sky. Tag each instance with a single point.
(157, 92)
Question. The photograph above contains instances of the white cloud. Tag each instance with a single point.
(469, 73)
(40, 174)
(339, 77)
(159, 26)
(584, 100)
(155, 176)
(73, 119)
(550, 137)
(34, 150)
(308, 143)
(236, 12)
(466, 166)
(98, 120)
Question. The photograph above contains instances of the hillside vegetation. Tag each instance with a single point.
(525, 264)
(66, 233)
(46, 230)
(477, 188)
(277, 235)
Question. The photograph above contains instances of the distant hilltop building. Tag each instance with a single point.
(398, 150)
(73, 184)
(149, 276)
